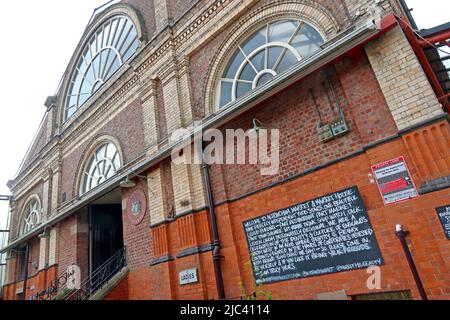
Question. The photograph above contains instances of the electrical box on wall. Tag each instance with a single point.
(324, 132)
(339, 126)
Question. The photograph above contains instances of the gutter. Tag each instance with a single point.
(353, 39)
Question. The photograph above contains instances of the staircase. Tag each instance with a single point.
(54, 289)
(113, 268)
(95, 287)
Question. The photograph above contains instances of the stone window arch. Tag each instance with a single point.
(113, 39)
(317, 21)
(31, 216)
(265, 54)
(103, 162)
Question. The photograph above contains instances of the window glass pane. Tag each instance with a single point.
(113, 67)
(259, 60)
(96, 67)
(282, 31)
(97, 63)
(83, 98)
(234, 65)
(85, 87)
(103, 165)
(128, 41)
(307, 41)
(264, 79)
(248, 73)
(93, 46)
(288, 60)
(255, 41)
(273, 54)
(275, 47)
(120, 32)
(106, 34)
(131, 50)
(243, 88)
(225, 92)
(87, 55)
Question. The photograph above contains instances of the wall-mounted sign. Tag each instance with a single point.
(188, 276)
(137, 207)
(326, 235)
(444, 217)
(394, 181)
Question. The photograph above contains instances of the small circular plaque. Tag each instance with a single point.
(137, 207)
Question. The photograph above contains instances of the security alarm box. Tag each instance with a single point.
(325, 133)
(339, 126)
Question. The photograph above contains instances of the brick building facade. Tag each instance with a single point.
(367, 65)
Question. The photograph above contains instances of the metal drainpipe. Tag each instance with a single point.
(215, 230)
(401, 234)
(27, 258)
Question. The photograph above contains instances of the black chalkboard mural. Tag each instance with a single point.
(444, 217)
(326, 235)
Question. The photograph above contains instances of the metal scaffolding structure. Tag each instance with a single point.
(4, 235)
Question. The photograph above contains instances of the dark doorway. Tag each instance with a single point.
(106, 233)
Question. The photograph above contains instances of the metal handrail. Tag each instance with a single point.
(56, 286)
(100, 277)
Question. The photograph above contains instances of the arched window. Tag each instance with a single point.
(31, 216)
(103, 165)
(114, 42)
(267, 53)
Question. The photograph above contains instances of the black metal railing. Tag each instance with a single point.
(56, 286)
(100, 277)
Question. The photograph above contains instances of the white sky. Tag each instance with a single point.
(38, 39)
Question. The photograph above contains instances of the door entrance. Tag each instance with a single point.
(106, 233)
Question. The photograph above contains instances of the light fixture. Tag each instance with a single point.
(44, 234)
(127, 183)
(257, 126)
(10, 255)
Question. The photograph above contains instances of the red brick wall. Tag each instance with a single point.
(178, 7)
(73, 243)
(40, 281)
(365, 110)
(35, 248)
(130, 137)
(120, 292)
(138, 241)
(67, 251)
(146, 10)
(427, 241)
(418, 216)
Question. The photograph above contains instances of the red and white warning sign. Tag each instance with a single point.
(394, 181)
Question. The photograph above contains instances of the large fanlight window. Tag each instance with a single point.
(32, 216)
(267, 53)
(115, 42)
(103, 165)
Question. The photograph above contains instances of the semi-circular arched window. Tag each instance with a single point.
(103, 164)
(114, 42)
(31, 216)
(267, 53)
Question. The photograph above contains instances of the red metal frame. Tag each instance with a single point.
(417, 47)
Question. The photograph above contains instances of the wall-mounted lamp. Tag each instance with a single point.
(128, 183)
(12, 254)
(257, 126)
(44, 234)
